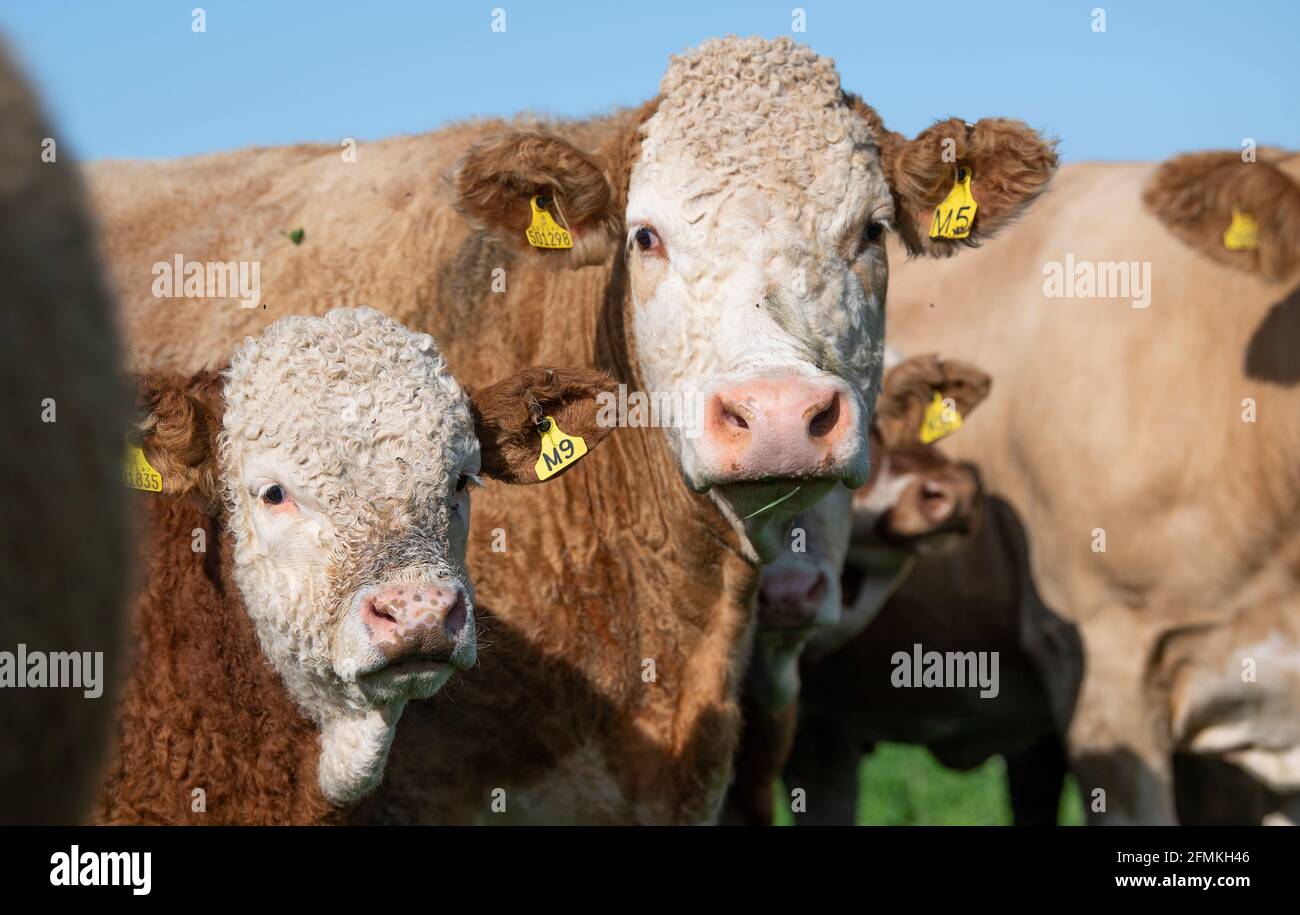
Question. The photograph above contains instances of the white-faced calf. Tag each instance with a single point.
(305, 563)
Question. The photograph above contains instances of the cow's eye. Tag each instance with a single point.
(646, 239)
(466, 481)
(874, 231)
(273, 494)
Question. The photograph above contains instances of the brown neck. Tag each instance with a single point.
(207, 733)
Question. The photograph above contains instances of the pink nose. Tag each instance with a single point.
(778, 428)
(417, 620)
(790, 597)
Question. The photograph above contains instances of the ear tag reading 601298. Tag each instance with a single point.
(544, 231)
(559, 449)
(137, 472)
(941, 418)
(953, 218)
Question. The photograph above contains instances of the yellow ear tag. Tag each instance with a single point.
(1243, 234)
(545, 232)
(559, 449)
(137, 472)
(940, 419)
(953, 217)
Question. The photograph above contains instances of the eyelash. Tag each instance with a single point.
(468, 481)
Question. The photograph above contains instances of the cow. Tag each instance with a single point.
(1142, 322)
(63, 516)
(303, 563)
(976, 596)
(848, 554)
(719, 247)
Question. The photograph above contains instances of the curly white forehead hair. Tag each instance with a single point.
(755, 107)
(352, 395)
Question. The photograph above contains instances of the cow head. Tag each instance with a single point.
(918, 500)
(340, 454)
(750, 200)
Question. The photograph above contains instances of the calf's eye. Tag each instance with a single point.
(274, 494)
(874, 231)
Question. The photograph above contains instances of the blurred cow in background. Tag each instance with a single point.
(1143, 322)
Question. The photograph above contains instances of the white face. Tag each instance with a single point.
(346, 455)
(758, 273)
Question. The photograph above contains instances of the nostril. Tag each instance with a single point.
(457, 614)
(380, 611)
(826, 419)
(734, 419)
(818, 591)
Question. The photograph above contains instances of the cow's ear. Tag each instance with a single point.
(178, 424)
(1009, 164)
(507, 416)
(909, 388)
(497, 179)
(1243, 214)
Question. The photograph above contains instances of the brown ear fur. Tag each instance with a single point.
(1194, 195)
(1012, 164)
(909, 387)
(496, 178)
(504, 422)
(180, 420)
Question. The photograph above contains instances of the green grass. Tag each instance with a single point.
(903, 785)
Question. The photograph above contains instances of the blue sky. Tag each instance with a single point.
(128, 78)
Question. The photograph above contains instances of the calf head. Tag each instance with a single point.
(749, 202)
(339, 452)
(917, 499)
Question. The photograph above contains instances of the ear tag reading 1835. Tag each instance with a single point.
(1243, 234)
(544, 231)
(559, 449)
(941, 418)
(137, 472)
(953, 217)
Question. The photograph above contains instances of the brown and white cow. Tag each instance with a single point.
(847, 555)
(1143, 323)
(304, 569)
(727, 248)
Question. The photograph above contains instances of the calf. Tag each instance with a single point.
(304, 566)
(848, 554)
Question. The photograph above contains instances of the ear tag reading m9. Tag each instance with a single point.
(559, 449)
(544, 231)
(953, 218)
(1243, 234)
(137, 472)
(941, 418)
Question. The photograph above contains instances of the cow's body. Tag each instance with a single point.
(616, 602)
(63, 515)
(1127, 423)
(976, 597)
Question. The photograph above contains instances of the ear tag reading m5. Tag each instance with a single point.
(559, 449)
(953, 217)
(544, 231)
(1243, 234)
(137, 472)
(941, 418)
